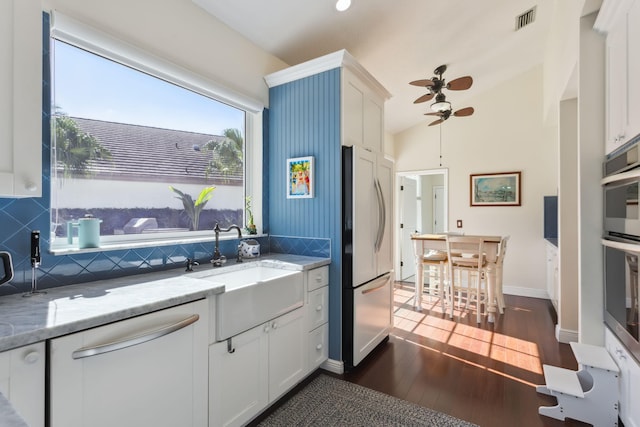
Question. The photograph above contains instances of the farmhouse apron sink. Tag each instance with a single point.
(252, 296)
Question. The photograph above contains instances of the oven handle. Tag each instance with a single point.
(626, 247)
(130, 341)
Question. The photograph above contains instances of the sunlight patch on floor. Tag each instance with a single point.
(431, 324)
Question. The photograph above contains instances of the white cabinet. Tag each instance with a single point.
(149, 370)
(22, 381)
(256, 367)
(633, 67)
(317, 309)
(362, 114)
(618, 19)
(629, 381)
(21, 100)
(552, 273)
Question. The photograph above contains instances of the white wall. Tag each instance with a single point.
(84, 193)
(183, 33)
(505, 134)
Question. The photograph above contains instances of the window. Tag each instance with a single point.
(150, 155)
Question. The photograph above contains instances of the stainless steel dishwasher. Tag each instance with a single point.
(149, 370)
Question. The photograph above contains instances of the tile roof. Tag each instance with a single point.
(146, 153)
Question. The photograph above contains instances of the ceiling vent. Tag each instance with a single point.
(526, 18)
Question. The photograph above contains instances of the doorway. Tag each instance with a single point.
(421, 208)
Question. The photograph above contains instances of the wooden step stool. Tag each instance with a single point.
(589, 394)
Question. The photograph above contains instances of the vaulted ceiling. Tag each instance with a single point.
(400, 41)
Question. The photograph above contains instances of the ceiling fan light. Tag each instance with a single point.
(441, 106)
(343, 5)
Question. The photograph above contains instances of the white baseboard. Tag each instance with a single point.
(566, 335)
(335, 366)
(525, 292)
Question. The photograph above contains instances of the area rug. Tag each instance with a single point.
(328, 401)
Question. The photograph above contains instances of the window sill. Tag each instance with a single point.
(72, 249)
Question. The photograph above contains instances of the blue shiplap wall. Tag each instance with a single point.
(304, 120)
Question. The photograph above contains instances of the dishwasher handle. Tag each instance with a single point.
(130, 341)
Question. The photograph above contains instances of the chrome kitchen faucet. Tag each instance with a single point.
(219, 259)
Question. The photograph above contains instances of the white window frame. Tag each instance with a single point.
(68, 30)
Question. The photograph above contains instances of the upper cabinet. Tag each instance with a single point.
(362, 97)
(21, 98)
(616, 18)
(362, 113)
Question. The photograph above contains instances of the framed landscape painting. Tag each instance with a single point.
(495, 189)
(300, 178)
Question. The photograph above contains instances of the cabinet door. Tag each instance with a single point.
(633, 70)
(21, 100)
(287, 352)
(352, 110)
(318, 308)
(238, 378)
(629, 383)
(616, 86)
(22, 381)
(552, 274)
(373, 124)
(158, 382)
(318, 346)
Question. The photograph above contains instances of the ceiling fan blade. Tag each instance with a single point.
(461, 83)
(437, 122)
(423, 83)
(464, 112)
(423, 98)
(436, 113)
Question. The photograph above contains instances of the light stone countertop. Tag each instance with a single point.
(67, 309)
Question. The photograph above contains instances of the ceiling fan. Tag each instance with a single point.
(435, 85)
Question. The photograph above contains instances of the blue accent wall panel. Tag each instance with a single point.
(304, 120)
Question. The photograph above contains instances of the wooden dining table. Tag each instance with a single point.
(422, 243)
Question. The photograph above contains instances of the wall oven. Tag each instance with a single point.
(621, 242)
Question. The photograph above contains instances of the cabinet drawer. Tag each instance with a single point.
(317, 278)
(318, 346)
(318, 308)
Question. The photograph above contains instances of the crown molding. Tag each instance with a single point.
(339, 59)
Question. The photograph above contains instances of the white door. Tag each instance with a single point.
(238, 378)
(438, 209)
(384, 201)
(365, 216)
(409, 221)
(287, 352)
(160, 382)
(372, 314)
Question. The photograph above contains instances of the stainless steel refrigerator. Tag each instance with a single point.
(367, 252)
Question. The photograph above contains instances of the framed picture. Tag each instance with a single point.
(495, 189)
(300, 178)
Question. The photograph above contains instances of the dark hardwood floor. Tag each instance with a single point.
(483, 373)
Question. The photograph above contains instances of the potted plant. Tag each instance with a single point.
(191, 207)
(251, 227)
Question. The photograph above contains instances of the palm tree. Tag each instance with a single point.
(227, 154)
(76, 149)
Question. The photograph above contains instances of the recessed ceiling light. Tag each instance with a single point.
(343, 5)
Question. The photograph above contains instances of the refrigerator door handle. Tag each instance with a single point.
(376, 285)
(382, 219)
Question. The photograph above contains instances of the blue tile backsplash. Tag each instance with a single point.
(18, 217)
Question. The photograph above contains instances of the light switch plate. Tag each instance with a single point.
(459, 223)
